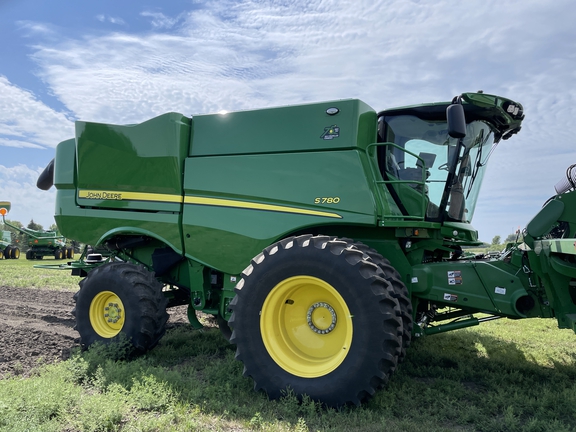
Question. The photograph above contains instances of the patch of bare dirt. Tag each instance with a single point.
(37, 327)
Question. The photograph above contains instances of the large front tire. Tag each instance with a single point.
(314, 315)
(120, 298)
(399, 289)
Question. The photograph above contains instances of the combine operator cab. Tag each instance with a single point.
(433, 167)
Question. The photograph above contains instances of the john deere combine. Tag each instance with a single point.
(40, 243)
(323, 237)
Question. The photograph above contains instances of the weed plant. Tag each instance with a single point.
(502, 376)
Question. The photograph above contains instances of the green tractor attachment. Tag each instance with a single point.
(323, 237)
(40, 243)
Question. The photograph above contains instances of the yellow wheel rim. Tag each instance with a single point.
(306, 326)
(107, 314)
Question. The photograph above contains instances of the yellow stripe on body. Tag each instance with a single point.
(217, 202)
(256, 206)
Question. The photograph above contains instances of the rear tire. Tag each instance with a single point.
(313, 315)
(120, 298)
(7, 252)
(15, 253)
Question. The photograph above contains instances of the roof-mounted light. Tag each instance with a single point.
(513, 109)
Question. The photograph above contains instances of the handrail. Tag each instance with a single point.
(372, 153)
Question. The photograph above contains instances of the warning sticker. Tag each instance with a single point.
(500, 290)
(450, 297)
(455, 277)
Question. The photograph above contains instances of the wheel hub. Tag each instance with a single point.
(112, 313)
(321, 318)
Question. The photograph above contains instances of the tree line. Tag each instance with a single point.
(516, 237)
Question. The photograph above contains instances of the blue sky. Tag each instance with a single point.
(127, 61)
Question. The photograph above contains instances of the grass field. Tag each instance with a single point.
(501, 376)
(21, 273)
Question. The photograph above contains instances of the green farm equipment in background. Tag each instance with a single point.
(323, 237)
(7, 249)
(40, 243)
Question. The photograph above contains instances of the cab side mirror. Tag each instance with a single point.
(456, 120)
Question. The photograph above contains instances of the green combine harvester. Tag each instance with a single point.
(323, 237)
(40, 243)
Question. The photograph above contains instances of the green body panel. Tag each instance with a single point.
(261, 198)
(545, 219)
(481, 286)
(559, 246)
(130, 158)
(556, 266)
(65, 166)
(6, 240)
(552, 258)
(93, 226)
(6, 236)
(285, 129)
(44, 238)
(119, 169)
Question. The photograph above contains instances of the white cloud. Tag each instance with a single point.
(18, 185)
(25, 121)
(110, 19)
(35, 29)
(159, 20)
(116, 20)
(17, 143)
